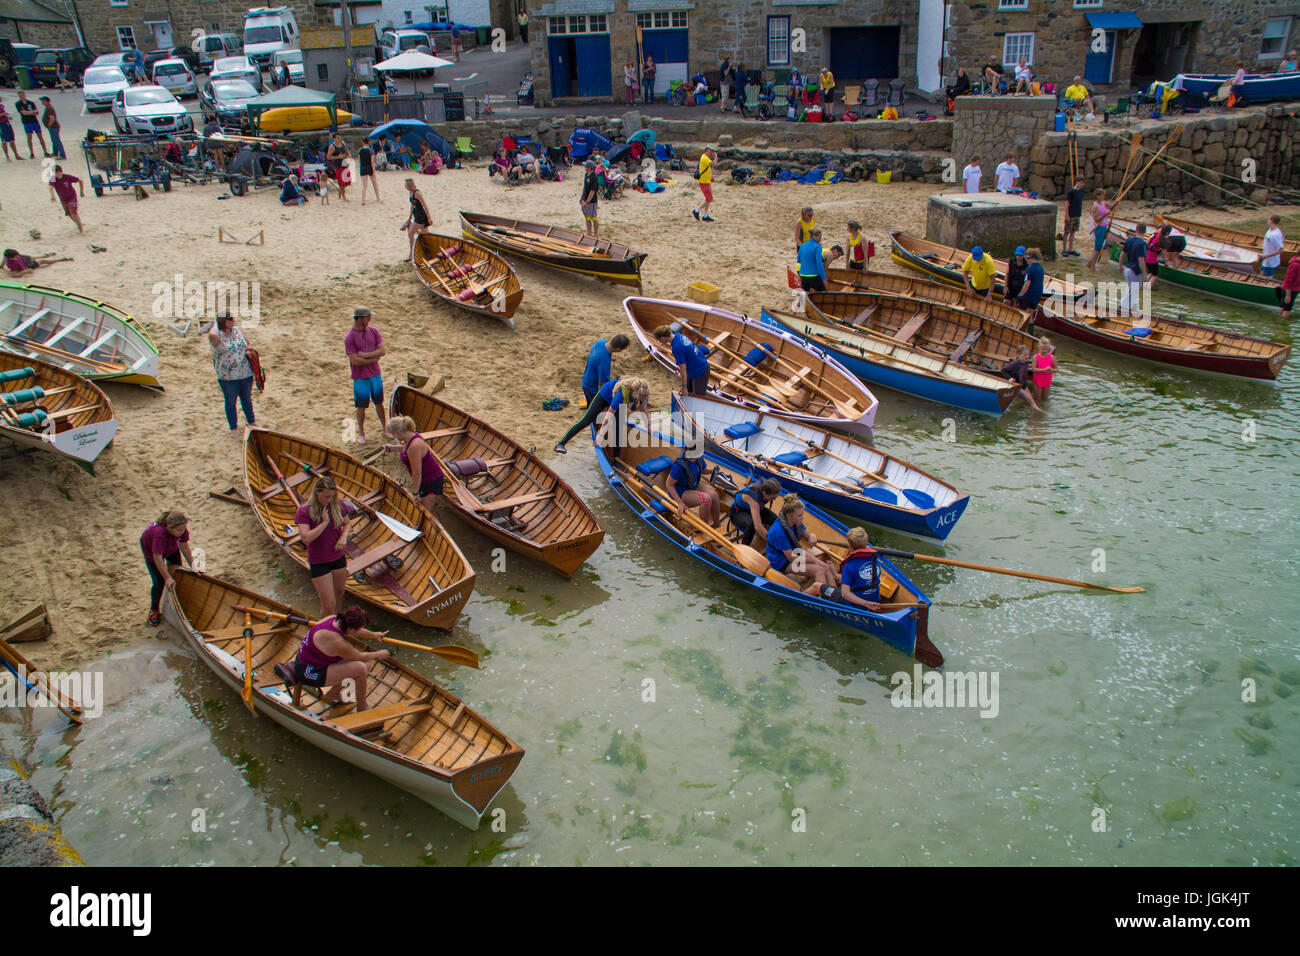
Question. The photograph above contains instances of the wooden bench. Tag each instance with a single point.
(377, 716)
(290, 481)
(864, 315)
(796, 381)
(509, 504)
(375, 555)
(960, 351)
(443, 433)
(912, 326)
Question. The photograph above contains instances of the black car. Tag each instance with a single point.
(226, 101)
(8, 63)
(45, 69)
(181, 52)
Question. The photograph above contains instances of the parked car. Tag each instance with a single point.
(101, 84)
(12, 56)
(121, 60)
(176, 76)
(237, 68)
(45, 71)
(226, 101)
(213, 46)
(293, 60)
(393, 42)
(181, 52)
(149, 110)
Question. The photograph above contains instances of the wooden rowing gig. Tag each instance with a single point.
(1218, 281)
(78, 334)
(555, 247)
(467, 275)
(1238, 237)
(44, 406)
(638, 477)
(802, 381)
(426, 580)
(943, 263)
(415, 735)
(854, 280)
(501, 489)
(832, 471)
(1168, 341)
(1199, 249)
(945, 370)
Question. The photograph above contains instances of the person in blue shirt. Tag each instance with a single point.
(812, 266)
(859, 574)
(750, 514)
(634, 393)
(1031, 293)
(600, 364)
(692, 360)
(687, 486)
(786, 551)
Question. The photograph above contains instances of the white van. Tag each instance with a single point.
(268, 30)
(393, 42)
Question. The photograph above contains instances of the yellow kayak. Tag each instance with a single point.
(299, 119)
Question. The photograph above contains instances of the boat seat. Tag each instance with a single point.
(375, 555)
(912, 326)
(791, 458)
(377, 716)
(740, 430)
(960, 351)
(796, 380)
(443, 433)
(291, 481)
(864, 315)
(654, 467)
(509, 504)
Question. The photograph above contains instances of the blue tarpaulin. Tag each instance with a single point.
(1114, 21)
(584, 142)
(411, 133)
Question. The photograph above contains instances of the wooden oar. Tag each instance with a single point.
(66, 356)
(15, 662)
(247, 692)
(451, 652)
(279, 475)
(548, 245)
(1017, 574)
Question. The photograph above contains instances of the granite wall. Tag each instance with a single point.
(990, 127)
(28, 836)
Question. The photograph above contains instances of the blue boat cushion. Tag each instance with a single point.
(658, 507)
(1139, 333)
(791, 458)
(741, 430)
(881, 494)
(655, 466)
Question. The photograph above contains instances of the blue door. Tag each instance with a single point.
(863, 53)
(669, 48)
(561, 65)
(1097, 66)
(595, 70)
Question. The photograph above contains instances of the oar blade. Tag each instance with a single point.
(457, 655)
(403, 531)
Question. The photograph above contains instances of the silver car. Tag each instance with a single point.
(174, 74)
(237, 68)
(100, 84)
(149, 110)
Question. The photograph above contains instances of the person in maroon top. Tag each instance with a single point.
(61, 188)
(427, 479)
(327, 658)
(1290, 288)
(162, 545)
(324, 523)
(365, 347)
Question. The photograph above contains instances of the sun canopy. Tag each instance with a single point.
(293, 96)
(410, 133)
(1114, 21)
(411, 61)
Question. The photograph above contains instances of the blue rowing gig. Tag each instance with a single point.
(1257, 88)
(639, 479)
(829, 470)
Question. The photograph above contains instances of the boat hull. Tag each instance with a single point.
(1238, 237)
(81, 436)
(854, 280)
(1219, 282)
(1257, 88)
(911, 251)
(492, 273)
(623, 269)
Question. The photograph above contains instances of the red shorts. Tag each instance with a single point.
(70, 208)
(707, 189)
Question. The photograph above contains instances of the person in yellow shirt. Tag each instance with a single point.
(705, 178)
(1078, 94)
(978, 272)
(826, 81)
(804, 227)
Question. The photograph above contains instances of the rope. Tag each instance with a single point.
(1186, 169)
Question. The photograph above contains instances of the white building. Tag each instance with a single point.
(403, 13)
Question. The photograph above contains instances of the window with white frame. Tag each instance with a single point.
(778, 41)
(596, 23)
(662, 20)
(1273, 43)
(126, 38)
(556, 25)
(1016, 45)
(1084, 4)
(410, 17)
(584, 23)
(1013, 4)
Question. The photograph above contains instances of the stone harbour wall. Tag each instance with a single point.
(28, 836)
(992, 126)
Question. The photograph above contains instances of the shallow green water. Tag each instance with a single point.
(764, 717)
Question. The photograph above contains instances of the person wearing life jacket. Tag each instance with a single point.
(803, 227)
(750, 514)
(859, 574)
(786, 551)
(327, 658)
(688, 487)
(633, 393)
(857, 254)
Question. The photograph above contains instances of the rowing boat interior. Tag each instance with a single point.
(1174, 334)
(421, 722)
(798, 382)
(488, 273)
(91, 339)
(946, 257)
(863, 468)
(730, 479)
(953, 334)
(69, 400)
(1237, 237)
(1199, 248)
(851, 280)
(430, 566)
(515, 494)
(536, 237)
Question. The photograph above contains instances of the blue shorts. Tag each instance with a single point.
(31, 126)
(1267, 270)
(367, 390)
(6, 133)
(1099, 238)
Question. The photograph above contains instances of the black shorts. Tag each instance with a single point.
(366, 169)
(857, 265)
(812, 283)
(837, 594)
(1286, 298)
(1177, 244)
(743, 522)
(698, 385)
(308, 674)
(432, 486)
(321, 570)
(1153, 268)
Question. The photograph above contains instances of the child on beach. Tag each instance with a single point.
(1044, 366)
(803, 227)
(857, 252)
(19, 264)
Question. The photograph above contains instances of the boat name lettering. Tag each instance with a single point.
(948, 517)
(85, 438)
(442, 605)
(483, 774)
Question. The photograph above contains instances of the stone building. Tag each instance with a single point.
(112, 25)
(1118, 45)
(45, 24)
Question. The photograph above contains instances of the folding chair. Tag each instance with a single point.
(1121, 108)
(852, 98)
(871, 95)
(780, 100)
(464, 147)
(895, 93)
(751, 99)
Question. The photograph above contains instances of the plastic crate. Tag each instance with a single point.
(703, 292)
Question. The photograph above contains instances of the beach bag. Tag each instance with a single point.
(741, 174)
(654, 187)
(255, 363)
